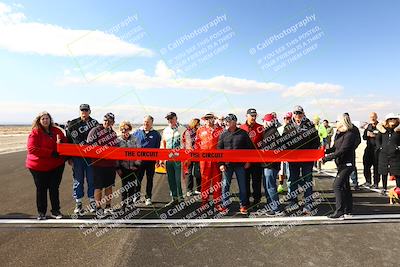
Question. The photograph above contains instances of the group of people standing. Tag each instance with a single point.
(382, 152)
(211, 178)
(47, 166)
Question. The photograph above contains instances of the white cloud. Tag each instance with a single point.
(18, 35)
(358, 107)
(163, 71)
(305, 89)
(165, 78)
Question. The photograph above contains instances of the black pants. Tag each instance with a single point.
(148, 168)
(254, 173)
(129, 183)
(370, 159)
(194, 173)
(341, 187)
(384, 180)
(48, 181)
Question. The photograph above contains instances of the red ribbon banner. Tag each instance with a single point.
(214, 155)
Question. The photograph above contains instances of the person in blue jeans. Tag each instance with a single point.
(300, 133)
(234, 138)
(77, 132)
(271, 169)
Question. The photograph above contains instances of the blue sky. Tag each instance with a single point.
(51, 55)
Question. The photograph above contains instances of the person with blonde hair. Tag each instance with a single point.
(343, 152)
(388, 144)
(45, 164)
(128, 169)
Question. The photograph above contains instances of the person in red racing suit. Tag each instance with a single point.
(207, 138)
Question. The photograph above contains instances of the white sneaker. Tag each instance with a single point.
(197, 192)
(148, 202)
(189, 193)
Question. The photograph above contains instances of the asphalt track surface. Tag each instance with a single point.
(370, 244)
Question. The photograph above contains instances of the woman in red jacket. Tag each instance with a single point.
(45, 164)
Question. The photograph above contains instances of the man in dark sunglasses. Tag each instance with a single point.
(300, 133)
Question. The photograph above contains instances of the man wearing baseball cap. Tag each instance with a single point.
(254, 172)
(207, 138)
(172, 138)
(301, 134)
(77, 132)
(234, 138)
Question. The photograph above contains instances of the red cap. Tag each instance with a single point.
(288, 115)
(268, 117)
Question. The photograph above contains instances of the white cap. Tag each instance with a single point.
(391, 116)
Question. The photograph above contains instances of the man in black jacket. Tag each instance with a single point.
(300, 133)
(234, 138)
(370, 158)
(77, 133)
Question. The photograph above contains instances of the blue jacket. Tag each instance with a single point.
(152, 139)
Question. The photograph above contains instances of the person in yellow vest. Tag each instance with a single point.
(323, 134)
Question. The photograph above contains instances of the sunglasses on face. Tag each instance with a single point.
(85, 110)
(298, 113)
(125, 130)
(254, 115)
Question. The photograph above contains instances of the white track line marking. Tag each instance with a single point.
(173, 223)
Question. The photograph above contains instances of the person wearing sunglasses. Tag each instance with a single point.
(128, 169)
(77, 132)
(300, 133)
(104, 170)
